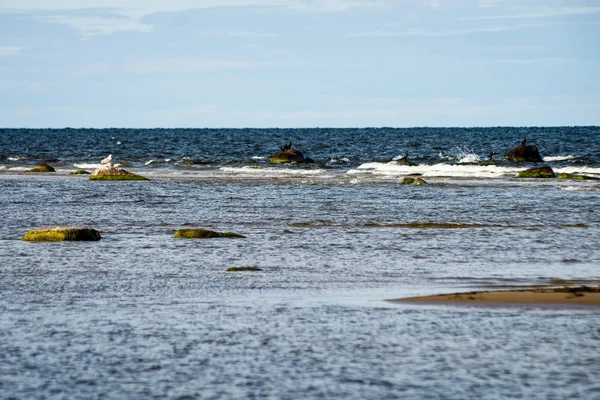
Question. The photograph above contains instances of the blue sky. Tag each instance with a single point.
(299, 63)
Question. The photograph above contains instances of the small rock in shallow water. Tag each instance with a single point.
(413, 181)
(238, 269)
(204, 234)
(111, 173)
(42, 168)
(541, 172)
(60, 234)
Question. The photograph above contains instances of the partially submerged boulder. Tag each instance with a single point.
(238, 269)
(413, 181)
(541, 172)
(80, 172)
(523, 153)
(289, 155)
(112, 173)
(204, 234)
(41, 168)
(576, 176)
(62, 233)
(404, 160)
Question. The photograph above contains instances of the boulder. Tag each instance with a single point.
(59, 234)
(41, 168)
(413, 181)
(238, 269)
(204, 234)
(111, 173)
(288, 156)
(576, 176)
(80, 172)
(522, 153)
(541, 172)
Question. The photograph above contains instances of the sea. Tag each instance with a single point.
(141, 314)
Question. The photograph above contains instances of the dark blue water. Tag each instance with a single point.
(218, 147)
(141, 314)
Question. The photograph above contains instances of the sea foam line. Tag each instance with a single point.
(462, 170)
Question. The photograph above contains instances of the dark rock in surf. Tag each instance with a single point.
(413, 181)
(289, 155)
(541, 172)
(41, 168)
(523, 153)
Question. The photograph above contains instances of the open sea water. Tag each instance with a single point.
(141, 314)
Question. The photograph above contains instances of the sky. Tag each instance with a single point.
(299, 63)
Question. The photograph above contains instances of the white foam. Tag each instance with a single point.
(577, 188)
(559, 158)
(339, 160)
(16, 158)
(88, 166)
(441, 170)
(250, 170)
(259, 158)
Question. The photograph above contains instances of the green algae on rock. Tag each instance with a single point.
(62, 233)
(576, 176)
(541, 172)
(413, 181)
(111, 173)
(80, 172)
(41, 168)
(238, 269)
(204, 234)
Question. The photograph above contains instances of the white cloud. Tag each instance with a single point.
(91, 26)
(186, 65)
(533, 12)
(10, 50)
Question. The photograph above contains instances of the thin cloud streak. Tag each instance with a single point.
(7, 51)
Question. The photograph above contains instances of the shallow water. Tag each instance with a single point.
(141, 314)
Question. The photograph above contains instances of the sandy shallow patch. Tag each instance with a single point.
(578, 296)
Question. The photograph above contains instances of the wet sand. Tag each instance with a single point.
(565, 296)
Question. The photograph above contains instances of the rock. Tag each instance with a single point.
(288, 156)
(111, 173)
(59, 234)
(80, 172)
(413, 181)
(204, 234)
(237, 269)
(541, 172)
(576, 176)
(405, 162)
(522, 153)
(42, 168)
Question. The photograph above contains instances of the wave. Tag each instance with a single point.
(559, 158)
(250, 170)
(439, 170)
(15, 158)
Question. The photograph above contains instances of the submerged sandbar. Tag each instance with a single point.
(579, 296)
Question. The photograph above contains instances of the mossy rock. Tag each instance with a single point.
(41, 168)
(413, 181)
(110, 173)
(238, 269)
(288, 156)
(541, 172)
(204, 234)
(60, 234)
(80, 172)
(576, 176)
(405, 162)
